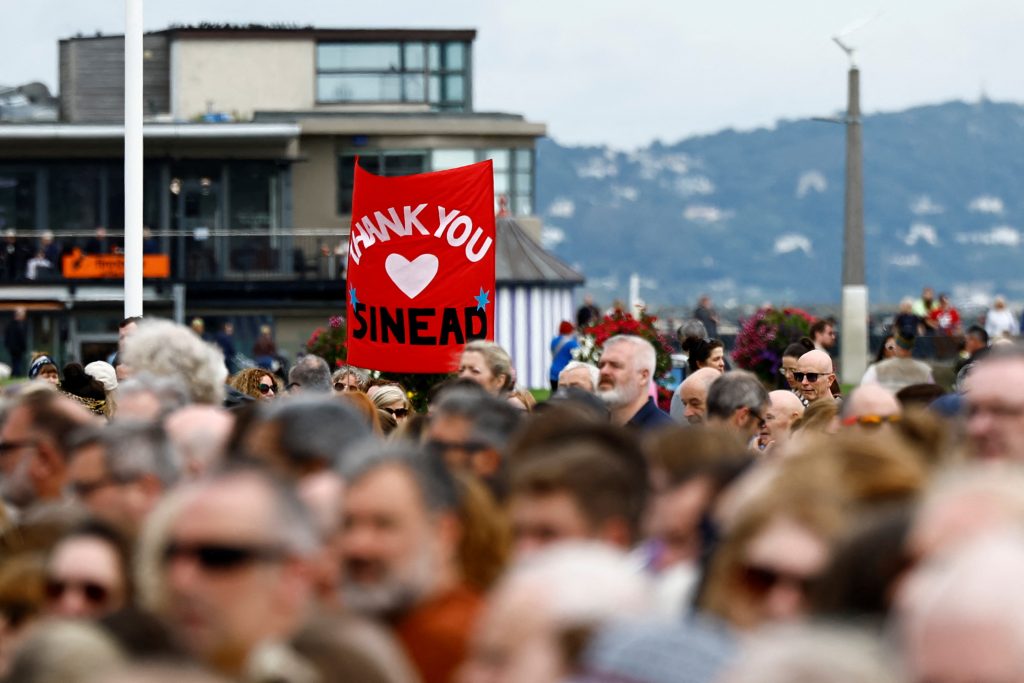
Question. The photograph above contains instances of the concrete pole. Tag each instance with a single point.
(854, 323)
(133, 158)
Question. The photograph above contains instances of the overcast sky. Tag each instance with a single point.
(626, 73)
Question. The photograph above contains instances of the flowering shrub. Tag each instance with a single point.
(592, 341)
(764, 336)
(329, 342)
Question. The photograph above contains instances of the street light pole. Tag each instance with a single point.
(854, 322)
(133, 159)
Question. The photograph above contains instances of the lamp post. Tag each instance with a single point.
(854, 316)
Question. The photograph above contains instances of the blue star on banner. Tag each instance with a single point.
(352, 297)
(482, 300)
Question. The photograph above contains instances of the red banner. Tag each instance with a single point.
(420, 268)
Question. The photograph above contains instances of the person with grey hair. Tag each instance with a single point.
(144, 396)
(349, 378)
(407, 571)
(120, 472)
(304, 434)
(309, 374)
(469, 429)
(737, 400)
(234, 573)
(166, 349)
(581, 375)
(626, 369)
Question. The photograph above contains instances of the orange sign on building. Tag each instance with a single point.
(81, 266)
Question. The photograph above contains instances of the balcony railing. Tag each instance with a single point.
(197, 255)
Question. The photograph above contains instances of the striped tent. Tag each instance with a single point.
(535, 293)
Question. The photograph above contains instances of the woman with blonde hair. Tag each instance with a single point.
(392, 400)
(488, 365)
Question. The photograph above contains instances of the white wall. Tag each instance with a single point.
(527, 320)
(241, 76)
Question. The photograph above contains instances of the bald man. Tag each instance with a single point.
(814, 374)
(693, 396)
(785, 408)
(870, 405)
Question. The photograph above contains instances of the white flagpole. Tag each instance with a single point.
(133, 158)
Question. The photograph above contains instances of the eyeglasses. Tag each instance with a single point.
(761, 424)
(439, 446)
(94, 593)
(265, 388)
(812, 377)
(8, 446)
(870, 420)
(890, 347)
(397, 412)
(339, 386)
(84, 489)
(785, 372)
(761, 580)
(217, 557)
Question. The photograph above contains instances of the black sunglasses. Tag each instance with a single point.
(8, 446)
(761, 580)
(397, 412)
(340, 386)
(94, 593)
(222, 557)
(439, 446)
(812, 377)
(265, 388)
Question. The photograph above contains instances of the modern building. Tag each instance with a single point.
(251, 135)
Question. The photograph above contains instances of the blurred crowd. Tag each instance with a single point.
(164, 521)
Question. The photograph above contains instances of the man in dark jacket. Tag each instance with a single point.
(16, 341)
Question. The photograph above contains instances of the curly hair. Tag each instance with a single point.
(166, 349)
(248, 381)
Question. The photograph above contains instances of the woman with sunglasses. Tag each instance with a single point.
(255, 382)
(392, 400)
(87, 573)
(767, 563)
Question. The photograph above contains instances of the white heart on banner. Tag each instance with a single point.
(412, 277)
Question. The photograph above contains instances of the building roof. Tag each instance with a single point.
(520, 260)
(265, 32)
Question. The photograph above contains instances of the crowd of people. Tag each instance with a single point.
(163, 520)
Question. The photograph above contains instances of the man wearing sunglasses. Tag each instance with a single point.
(815, 375)
(234, 566)
(738, 401)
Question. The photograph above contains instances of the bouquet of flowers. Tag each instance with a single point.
(329, 343)
(592, 341)
(764, 336)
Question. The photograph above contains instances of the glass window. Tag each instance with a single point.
(523, 185)
(452, 158)
(415, 90)
(454, 59)
(359, 56)
(17, 199)
(434, 56)
(252, 186)
(359, 88)
(435, 89)
(500, 183)
(75, 197)
(523, 205)
(453, 88)
(524, 159)
(404, 164)
(414, 56)
(500, 157)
